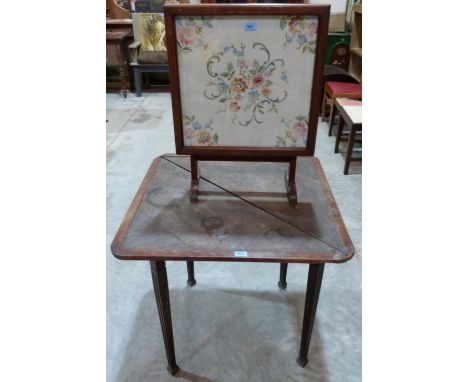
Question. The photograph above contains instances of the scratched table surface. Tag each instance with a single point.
(242, 215)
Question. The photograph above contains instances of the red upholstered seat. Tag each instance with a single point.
(344, 87)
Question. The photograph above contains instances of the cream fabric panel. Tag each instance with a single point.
(246, 81)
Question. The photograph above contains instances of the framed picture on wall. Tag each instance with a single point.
(246, 80)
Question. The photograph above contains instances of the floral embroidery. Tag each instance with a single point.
(302, 30)
(196, 133)
(295, 133)
(245, 85)
(238, 85)
(190, 33)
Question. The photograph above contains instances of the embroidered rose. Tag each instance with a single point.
(291, 135)
(266, 92)
(204, 137)
(188, 33)
(296, 24)
(238, 85)
(234, 106)
(257, 80)
(310, 27)
(295, 133)
(300, 128)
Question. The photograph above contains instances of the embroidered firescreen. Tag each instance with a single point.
(246, 80)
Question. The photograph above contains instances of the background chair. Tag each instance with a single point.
(334, 90)
(338, 74)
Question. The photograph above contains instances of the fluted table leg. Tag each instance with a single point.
(314, 282)
(161, 291)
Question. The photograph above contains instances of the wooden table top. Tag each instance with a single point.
(242, 215)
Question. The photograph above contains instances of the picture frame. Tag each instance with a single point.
(246, 81)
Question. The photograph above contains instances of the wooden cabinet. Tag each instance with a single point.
(355, 63)
(117, 55)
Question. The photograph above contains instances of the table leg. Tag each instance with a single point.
(314, 281)
(191, 274)
(282, 281)
(161, 291)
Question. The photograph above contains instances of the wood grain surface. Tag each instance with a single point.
(242, 207)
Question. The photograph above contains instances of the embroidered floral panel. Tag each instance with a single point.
(246, 81)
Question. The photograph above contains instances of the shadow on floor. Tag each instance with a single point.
(223, 336)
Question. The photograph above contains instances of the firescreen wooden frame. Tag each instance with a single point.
(322, 12)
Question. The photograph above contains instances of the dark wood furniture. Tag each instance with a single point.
(233, 224)
(116, 11)
(350, 112)
(335, 73)
(117, 55)
(246, 153)
(119, 25)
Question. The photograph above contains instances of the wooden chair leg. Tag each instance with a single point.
(282, 280)
(332, 116)
(339, 133)
(349, 153)
(290, 180)
(324, 105)
(195, 179)
(136, 75)
(191, 274)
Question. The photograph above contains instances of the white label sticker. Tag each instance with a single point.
(241, 253)
(250, 26)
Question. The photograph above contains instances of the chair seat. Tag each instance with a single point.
(353, 108)
(152, 57)
(344, 87)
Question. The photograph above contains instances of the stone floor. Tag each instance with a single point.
(235, 324)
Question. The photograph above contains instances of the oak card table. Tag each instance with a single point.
(243, 214)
